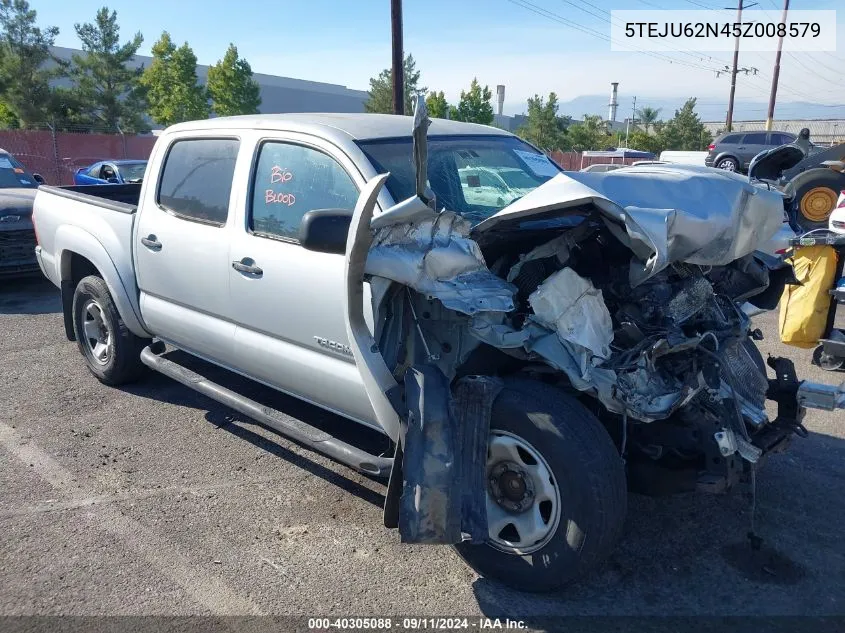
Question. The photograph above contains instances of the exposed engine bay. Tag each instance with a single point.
(628, 307)
(673, 350)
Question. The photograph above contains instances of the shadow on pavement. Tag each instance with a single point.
(30, 295)
(157, 387)
(689, 555)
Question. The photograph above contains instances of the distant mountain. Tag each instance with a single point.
(743, 110)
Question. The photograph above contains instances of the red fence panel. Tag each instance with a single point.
(56, 156)
(574, 161)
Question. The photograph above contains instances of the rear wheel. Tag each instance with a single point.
(111, 351)
(728, 164)
(556, 491)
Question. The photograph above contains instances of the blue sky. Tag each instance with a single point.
(346, 42)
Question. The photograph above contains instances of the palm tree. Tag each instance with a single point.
(648, 116)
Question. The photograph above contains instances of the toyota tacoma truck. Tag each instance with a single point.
(529, 359)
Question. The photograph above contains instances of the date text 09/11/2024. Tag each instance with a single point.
(415, 624)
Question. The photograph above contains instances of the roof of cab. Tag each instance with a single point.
(354, 126)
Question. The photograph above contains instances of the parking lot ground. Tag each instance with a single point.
(152, 499)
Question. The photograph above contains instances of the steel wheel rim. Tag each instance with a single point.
(96, 332)
(535, 525)
(818, 203)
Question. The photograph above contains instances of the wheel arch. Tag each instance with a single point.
(808, 177)
(81, 254)
(720, 157)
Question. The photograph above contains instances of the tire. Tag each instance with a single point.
(114, 356)
(815, 198)
(589, 475)
(728, 164)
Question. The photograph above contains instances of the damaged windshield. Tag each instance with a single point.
(475, 176)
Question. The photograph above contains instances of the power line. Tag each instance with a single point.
(610, 20)
(589, 31)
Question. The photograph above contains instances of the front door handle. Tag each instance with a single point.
(151, 242)
(248, 267)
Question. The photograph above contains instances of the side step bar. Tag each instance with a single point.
(296, 430)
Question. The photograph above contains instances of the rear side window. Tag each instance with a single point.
(781, 139)
(731, 139)
(291, 180)
(755, 138)
(196, 181)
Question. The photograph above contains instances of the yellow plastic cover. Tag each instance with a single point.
(804, 308)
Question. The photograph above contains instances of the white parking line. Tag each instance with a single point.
(205, 588)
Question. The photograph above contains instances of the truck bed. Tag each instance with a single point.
(122, 198)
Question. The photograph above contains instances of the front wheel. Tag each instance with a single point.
(556, 490)
(111, 351)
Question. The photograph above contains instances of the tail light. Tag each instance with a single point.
(711, 147)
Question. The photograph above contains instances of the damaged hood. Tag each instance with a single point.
(664, 213)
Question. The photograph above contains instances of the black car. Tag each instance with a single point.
(733, 151)
(17, 234)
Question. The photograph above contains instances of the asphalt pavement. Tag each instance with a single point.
(152, 499)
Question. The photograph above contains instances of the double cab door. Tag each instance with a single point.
(221, 271)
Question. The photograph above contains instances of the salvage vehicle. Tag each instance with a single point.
(17, 237)
(527, 364)
(111, 172)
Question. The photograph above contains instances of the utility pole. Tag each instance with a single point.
(398, 57)
(776, 73)
(631, 120)
(729, 120)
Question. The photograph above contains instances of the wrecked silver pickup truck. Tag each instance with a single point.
(529, 355)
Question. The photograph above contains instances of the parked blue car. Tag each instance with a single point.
(111, 172)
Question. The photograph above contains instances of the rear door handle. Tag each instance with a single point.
(248, 267)
(151, 242)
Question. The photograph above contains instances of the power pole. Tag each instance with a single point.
(631, 120)
(398, 57)
(729, 120)
(776, 72)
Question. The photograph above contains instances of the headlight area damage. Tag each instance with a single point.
(622, 288)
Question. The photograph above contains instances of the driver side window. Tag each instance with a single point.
(291, 180)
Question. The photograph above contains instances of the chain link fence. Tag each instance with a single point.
(57, 155)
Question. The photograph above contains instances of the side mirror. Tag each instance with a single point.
(39, 179)
(325, 230)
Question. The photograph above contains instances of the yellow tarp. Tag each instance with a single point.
(804, 308)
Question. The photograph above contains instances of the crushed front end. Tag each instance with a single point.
(623, 289)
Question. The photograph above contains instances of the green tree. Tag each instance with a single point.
(685, 131)
(438, 107)
(646, 142)
(173, 93)
(543, 127)
(24, 50)
(588, 135)
(648, 116)
(108, 88)
(381, 88)
(475, 106)
(231, 86)
(8, 119)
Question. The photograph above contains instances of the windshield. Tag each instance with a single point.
(475, 176)
(132, 172)
(13, 174)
